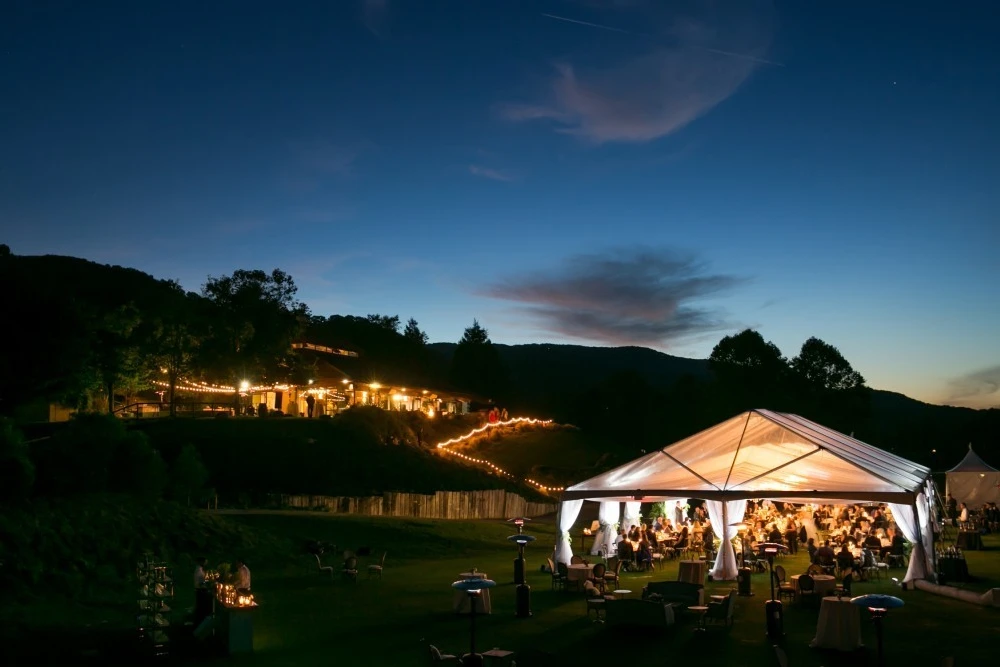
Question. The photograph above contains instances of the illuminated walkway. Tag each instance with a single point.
(443, 448)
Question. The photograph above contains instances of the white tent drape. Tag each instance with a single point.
(607, 517)
(906, 519)
(926, 522)
(569, 510)
(721, 514)
(631, 517)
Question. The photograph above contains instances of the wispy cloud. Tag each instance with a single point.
(492, 174)
(977, 389)
(699, 61)
(634, 296)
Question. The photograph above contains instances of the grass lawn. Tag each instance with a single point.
(305, 619)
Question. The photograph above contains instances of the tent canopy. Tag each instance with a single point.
(972, 463)
(761, 454)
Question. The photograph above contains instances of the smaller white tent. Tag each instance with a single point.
(973, 481)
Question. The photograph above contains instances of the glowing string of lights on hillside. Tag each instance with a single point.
(443, 447)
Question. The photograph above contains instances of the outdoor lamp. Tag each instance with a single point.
(773, 612)
(878, 606)
(474, 588)
(523, 590)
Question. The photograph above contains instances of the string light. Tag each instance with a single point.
(443, 447)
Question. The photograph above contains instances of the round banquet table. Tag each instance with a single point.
(579, 572)
(839, 625)
(824, 583)
(462, 602)
(692, 571)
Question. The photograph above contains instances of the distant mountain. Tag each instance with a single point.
(550, 365)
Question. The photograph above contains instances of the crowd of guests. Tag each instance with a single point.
(987, 517)
(688, 531)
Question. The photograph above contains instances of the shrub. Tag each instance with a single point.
(17, 472)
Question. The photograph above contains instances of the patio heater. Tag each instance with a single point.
(519, 562)
(878, 606)
(743, 575)
(474, 588)
(523, 590)
(775, 615)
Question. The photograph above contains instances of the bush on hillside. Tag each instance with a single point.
(89, 545)
(97, 453)
(17, 472)
(188, 477)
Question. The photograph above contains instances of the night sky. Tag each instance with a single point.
(664, 176)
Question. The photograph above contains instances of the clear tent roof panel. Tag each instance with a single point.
(764, 451)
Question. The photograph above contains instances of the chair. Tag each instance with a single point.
(577, 560)
(722, 610)
(558, 580)
(784, 587)
(844, 587)
(612, 577)
(868, 564)
(595, 600)
(437, 657)
(350, 570)
(377, 569)
(564, 574)
(323, 569)
(597, 577)
(807, 588)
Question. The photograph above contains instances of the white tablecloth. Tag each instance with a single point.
(692, 571)
(839, 625)
(824, 583)
(460, 602)
(579, 572)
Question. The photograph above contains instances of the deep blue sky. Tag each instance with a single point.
(804, 168)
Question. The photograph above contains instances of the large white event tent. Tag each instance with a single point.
(760, 454)
(973, 481)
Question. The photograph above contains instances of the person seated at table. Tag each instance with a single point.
(963, 513)
(626, 554)
(666, 527)
(872, 542)
(896, 546)
(682, 539)
(811, 549)
(651, 538)
(644, 555)
(242, 582)
(845, 559)
(775, 535)
(633, 533)
(825, 555)
(620, 537)
(658, 523)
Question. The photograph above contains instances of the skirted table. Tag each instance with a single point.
(692, 571)
(839, 625)
(969, 540)
(461, 602)
(823, 584)
(579, 573)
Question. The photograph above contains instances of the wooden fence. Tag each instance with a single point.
(495, 504)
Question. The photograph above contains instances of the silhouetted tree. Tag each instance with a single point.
(822, 365)
(476, 365)
(413, 333)
(828, 389)
(750, 371)
(116, 353)
(4, 250)
(389, 323)
(176, 337)
(253, 320)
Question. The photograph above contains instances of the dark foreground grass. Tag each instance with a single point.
(307, 620)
